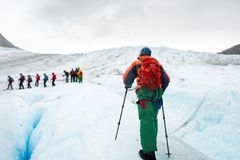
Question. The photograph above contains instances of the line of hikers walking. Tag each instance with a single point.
(29, 80)
(45, 79)
(75, 75)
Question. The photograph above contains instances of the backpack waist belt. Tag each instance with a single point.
(142, 102)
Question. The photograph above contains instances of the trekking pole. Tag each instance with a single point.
(121, 113)
(166, 135)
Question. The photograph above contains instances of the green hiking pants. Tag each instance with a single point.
(80, 79)
(148, 118)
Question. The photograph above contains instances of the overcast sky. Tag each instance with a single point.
(68, 26)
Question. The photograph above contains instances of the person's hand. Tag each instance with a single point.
(160, 102)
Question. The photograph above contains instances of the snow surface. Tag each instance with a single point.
(64, 122)
(80, 120)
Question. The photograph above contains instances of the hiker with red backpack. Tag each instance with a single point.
(37, 80)
(152, 80)
(54, 77)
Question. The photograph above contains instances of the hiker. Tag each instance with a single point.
(75, 75)
(80, 75)
(21, 80)
(149, 90)
(10, 81)
(67, 75)
(37, 80)
(54, 77)
(72, 75)
(45, 79)
(29, 80)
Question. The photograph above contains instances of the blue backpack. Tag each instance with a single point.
(46, 78)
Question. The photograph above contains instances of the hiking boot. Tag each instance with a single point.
(147, 156)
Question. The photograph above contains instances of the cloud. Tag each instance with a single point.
(73, 11)
(96, 23)
(179, 13)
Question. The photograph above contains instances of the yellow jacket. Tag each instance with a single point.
(80, 73)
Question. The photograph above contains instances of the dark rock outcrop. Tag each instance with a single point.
(5, 43)
(235, 50)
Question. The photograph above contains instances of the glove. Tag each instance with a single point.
(159, 103)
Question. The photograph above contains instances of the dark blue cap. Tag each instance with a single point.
(145, 51)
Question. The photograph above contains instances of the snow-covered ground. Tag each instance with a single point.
(78, 121)
(74, 121)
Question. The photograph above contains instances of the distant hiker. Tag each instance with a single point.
(54, 77)
(67, 75)
(37, 80)
(29, 80)
(72, 74)
(152, 81)
(75, 74)
(45, 79)
(80, 75)
(21, 80)
(10, 81)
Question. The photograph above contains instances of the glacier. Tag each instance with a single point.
(78, 121)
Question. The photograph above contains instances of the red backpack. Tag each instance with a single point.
(54, 77)
(150, 73)
(37, 77)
